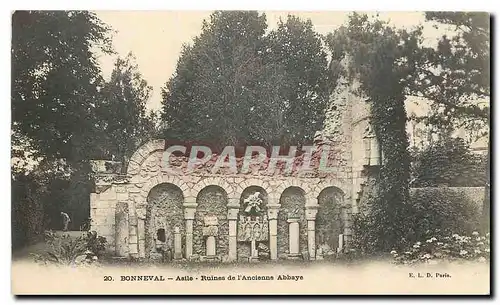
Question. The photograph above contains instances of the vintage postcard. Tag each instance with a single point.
(250, 153)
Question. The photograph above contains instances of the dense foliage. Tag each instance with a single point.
(76, 251)
(434, 213)
(125, 121)
(380, 59)
(235, 85)
(64, 114)
(449, 162)
(455, 79)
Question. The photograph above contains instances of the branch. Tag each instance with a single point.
(472, 109)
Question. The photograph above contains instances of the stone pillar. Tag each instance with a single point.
(347, 222)
(177, 243)
(311, 212)
(121, 229)
(141, 232)
(341, 243)
(133, 240)
(294, 238)
(210, 245)
(232, 217)
(272, 215)
(189, 210)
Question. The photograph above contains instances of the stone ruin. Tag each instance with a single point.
(146, 211)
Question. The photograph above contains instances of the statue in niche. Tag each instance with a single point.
(253, 203)
(368, 133)
(253, 225)
(256, 232)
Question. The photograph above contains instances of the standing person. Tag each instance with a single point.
(66, 221)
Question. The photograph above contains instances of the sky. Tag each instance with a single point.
(156, 37)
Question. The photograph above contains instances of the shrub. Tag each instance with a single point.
(449, 162)
(67, 250)
(433, 212)
(450, 248)
(442, 211)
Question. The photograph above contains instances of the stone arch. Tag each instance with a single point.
(164, 212)
(212, 181)
(141, 154)
(278, 191)
(330, 219)
(324, 185)
(162, 179)
(265, 185)
(292, 202)
(212, 201)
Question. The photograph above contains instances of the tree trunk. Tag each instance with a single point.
(485, 217)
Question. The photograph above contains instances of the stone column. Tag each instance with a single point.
(311, 212)
(189, 210)
(294, 238)
(232, 217)
(141, 232)
(121, 229)
(177, 243)
(272, 215)
(210, 245)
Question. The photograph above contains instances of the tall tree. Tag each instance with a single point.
(127, 124)
(299, 50)
(236, 86)
(379, 59)
(455, 77)
(55, 92)
(55, 80)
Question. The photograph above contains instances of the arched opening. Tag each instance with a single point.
(164, 212)
(210, 222)
(160, 235)
(292, 209)
(329, 222)
(253, 203)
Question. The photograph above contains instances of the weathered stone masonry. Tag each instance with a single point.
(149, 208)
(129, 209)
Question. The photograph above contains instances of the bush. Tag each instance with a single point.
(446, 248)
(67, 250)
(449, 162)
(432, 213)
(442, 211)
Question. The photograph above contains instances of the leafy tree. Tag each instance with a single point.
(123, 111)
(455, 77)
(380, 59)
(448, 162)
(236, 86)
(55, 80)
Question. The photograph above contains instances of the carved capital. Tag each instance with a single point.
(141, 213)
(233, 203)
(272, 213)
(190, 203)
(311, 212)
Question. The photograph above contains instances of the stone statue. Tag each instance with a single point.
(253, 202)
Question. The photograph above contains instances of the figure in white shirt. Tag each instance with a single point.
(66, 221)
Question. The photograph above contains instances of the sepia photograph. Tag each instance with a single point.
(240, 152)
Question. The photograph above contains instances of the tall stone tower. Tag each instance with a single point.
(347, 125)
